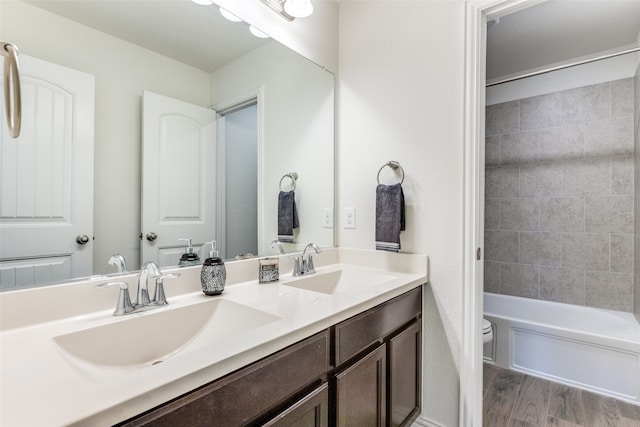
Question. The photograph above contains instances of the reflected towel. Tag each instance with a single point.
(287, 216)
(390, 219)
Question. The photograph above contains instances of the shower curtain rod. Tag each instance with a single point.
(562, 67)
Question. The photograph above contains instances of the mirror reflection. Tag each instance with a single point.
(99, 166)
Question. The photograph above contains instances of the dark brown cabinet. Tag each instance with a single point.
(378, 363)
(361, 392)
(364, 371)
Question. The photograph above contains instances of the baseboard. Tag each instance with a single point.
(422, 422)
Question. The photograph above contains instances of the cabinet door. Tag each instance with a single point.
(310, 411)
(361, 391)
(405, 373)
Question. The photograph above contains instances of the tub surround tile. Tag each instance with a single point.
(519, 280)
(560, 173)
(521, 147)
(541, 111)
(562, 214)
(501, 246)
(492, 214)
(502, 182)
(519, 214)
(541, 180)
(588, 177)
(492, 150)
(541, 248)
(586, 103)
(609, 214)
(585, 251)
(622, 97)
(622, 253)
(622, 175)
(562, 285)
(492, 277)
(564, 142)
(502, 118)
(613, 291)
(610, 137)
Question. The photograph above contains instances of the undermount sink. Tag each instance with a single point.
(148, 338)
(340, 281)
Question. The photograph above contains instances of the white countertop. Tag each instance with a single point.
(40, 384)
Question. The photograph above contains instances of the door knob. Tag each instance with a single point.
(152, 236)
(82, 239)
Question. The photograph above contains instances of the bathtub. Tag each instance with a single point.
(589, 348)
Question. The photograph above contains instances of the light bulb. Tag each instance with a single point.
(256, 32)
(230, 16)
(298, 8)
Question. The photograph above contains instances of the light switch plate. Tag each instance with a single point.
(349, 217)
(327, 218)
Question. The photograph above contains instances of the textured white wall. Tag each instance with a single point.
(401, 98)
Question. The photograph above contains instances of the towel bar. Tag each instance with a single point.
(393, 165)
(293, 176)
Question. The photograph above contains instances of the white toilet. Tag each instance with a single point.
(487, 331)
(488, 349)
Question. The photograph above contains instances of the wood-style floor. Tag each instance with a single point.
(513, 399)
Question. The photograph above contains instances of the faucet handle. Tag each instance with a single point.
(123, 305)
(297, 266)
(159, 297)
(310, 267)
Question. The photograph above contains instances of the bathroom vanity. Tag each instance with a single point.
(341, 346)
(362, 371)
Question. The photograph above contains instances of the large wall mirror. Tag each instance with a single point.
(131, 57)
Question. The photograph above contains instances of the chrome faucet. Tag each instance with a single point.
(303, 266)
(143, 302)
(149, 269)
(277, 243)
(119, 261)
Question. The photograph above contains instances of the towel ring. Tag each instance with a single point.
(393, 165)
(293, 176)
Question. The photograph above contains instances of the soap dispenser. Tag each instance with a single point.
(214, 273)
(189, 257)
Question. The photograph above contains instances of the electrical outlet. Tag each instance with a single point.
(327, 218)
(349, 217)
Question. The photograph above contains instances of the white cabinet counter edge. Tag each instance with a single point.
(40, 385)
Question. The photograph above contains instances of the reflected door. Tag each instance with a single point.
(178, 177)
(238, 182)
(46, 178)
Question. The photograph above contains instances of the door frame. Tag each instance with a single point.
(478, 12)
(257, 96)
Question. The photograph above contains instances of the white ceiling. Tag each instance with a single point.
(558, 30)
(180, 29)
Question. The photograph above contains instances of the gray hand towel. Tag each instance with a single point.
(390, 219)
(287, 216)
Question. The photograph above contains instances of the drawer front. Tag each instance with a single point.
(359, 332)
(250, 392)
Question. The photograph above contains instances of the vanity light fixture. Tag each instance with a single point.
(230, 16)
(256, 32)
(278, 7)
(298, 8)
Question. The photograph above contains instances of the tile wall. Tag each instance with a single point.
(559, 196)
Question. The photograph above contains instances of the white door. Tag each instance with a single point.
(46, 178)
(178, 177)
